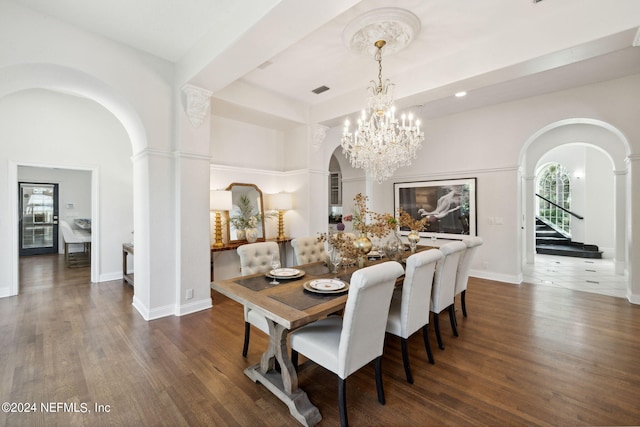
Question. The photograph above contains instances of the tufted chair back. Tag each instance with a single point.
(308, 250)
(465, 263)
(256, 257)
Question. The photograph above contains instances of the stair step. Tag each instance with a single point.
(553, 241)
(569, 250)
(548, 233)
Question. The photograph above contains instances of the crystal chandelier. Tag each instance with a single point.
(382, 143)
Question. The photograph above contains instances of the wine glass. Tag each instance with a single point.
(275, 264)
(335, 259)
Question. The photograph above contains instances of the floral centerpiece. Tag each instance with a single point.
(413, 224)
(366, 224)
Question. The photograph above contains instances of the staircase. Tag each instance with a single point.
(552, 242)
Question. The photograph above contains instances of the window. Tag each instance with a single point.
(554, 184)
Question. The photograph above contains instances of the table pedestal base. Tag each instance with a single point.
(299, 405)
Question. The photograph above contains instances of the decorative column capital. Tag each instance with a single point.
(318, 134)
(196, 102)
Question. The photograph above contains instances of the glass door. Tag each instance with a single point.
(38, 218)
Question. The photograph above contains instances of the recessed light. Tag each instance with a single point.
(461, 94)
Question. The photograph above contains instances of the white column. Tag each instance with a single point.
(153, 220)
(633, 230)
(620, 197)
(318, 202)
(192, 163)
(529, 219)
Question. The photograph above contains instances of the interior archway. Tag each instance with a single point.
(67, 81)
(596, 133)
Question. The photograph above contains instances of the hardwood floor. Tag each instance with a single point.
(526, 355)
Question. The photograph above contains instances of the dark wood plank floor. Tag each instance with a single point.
(526, 355)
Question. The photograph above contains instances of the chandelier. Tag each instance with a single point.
(381, 143)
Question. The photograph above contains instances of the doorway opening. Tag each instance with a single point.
(38, 218)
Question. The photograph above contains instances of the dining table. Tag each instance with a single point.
(287, 306)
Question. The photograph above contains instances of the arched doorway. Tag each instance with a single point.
(66, 81)
(595, 133)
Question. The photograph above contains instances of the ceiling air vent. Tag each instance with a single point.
(320, 89)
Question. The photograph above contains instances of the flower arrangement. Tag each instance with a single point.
(406, 220)
(343, 243)
(370, 223)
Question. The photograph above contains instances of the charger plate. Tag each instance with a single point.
(326, 286)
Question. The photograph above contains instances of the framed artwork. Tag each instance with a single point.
(449, 204)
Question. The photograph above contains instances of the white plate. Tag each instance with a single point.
(308, 287)
(327, 285)
(285, 273)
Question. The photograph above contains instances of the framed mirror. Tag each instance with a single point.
(247, 212)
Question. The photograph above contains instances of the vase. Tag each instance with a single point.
(394, 249)
(364, 245)
(241, 234)
(251, 234)
(414, 238)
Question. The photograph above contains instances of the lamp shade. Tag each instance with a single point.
(280, 201)
(220, 200)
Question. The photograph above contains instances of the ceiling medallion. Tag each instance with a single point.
(398, 27)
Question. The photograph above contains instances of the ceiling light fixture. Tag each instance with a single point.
(382, 143)
(461, 94)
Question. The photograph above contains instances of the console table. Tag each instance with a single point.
(127, 248)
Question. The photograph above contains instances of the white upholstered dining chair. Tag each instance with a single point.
(409, 309)
(307, 250)
(345, 344)
(255, 258)
(464, 266)
(444, 285)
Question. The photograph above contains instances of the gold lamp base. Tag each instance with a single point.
(281, 225)
(218, 230)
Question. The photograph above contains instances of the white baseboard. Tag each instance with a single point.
(193, 307)
(633, 298)
(155, 313)
(108, 277)
(488, 275)
(5, 292)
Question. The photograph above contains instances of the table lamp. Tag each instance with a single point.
(281, 202)
(219, 200)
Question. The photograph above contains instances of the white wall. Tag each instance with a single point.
(74, 188)
(44, 128)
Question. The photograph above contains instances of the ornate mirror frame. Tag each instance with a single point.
(255, 196)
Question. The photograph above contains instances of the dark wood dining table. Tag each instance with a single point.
(286, 306)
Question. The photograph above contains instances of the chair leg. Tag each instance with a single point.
(405, 360)
(436, 325)
(452, 319)
(342, 401)
(464, 302)
(425, 335)
(294, 359)
(379, 387)
(247, 334)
